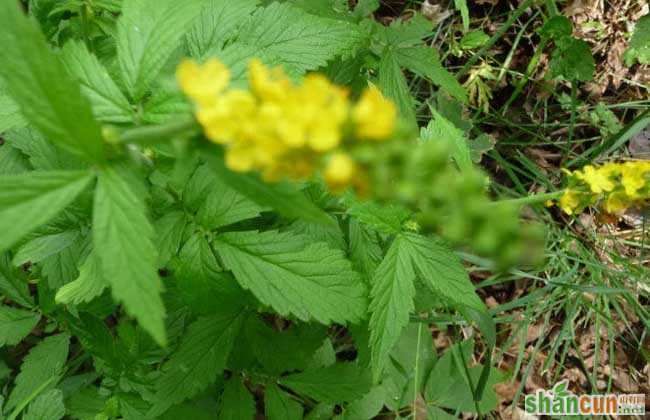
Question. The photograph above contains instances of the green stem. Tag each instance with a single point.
(572, 122)
(531, 199)
(498, 34)
(157, 133)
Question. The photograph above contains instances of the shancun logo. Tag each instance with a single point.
(560, 401)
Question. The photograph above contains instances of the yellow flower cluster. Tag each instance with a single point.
(281, 128)
(616, 185)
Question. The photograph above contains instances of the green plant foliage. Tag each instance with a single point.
(142, 278)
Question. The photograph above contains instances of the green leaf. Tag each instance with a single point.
(639, 47)
(42, 154)
(48, 406)
(572, 60)
(148, 32)
(37, 80)
(301, 41)
(10, 116)
(236, 402)
(13, 284)
(279, 406)
(386, 219)
(367, 407)
(393, 85)
(15, 324)
(86, 287)
(461, 6)
(218, 21)
(200, 358)
(294, 275)
(29, 200)
(557, 27)
(443, 272)
(40, 370)
(107, 101)
(365, 252)
(441, 129)
(474, 39)
(282, 196)
(202, 283)
(448, 384)
(336, 383)
(216, 203)
(391, 302)
(425, 61)
(169, 235)
(42, 247)
(123, 241)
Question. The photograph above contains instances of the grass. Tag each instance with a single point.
(595, 277)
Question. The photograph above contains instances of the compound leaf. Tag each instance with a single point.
(123, 241)
(48, 96)
(30, 200)
(294, 275)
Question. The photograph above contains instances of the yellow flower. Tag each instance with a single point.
(632, 178)
(616, 202)
(597, 179)
(202, 83)
(225, 118)
(268, 84)
(340, 171)
(569, 201)
(374, 115)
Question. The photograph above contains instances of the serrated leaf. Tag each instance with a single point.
(279, 406)
(169, 235)
(364, 250)
(216, 203)
(200, 359)
(301, 41)
(236, 402)
(30, 200)
(86, 287)
(107, 101)
(217, 22)
(42, 247)
(425, 61)
(40, 369)
(391, 302)
(48, 97)
(442, 271)
(639, 47)
(385, 219)
(13, 285)
(10, 116)
(367, 407)
(393, 85)
(294, 275)
(282, 196)
(448, 384)
(572, 59)
(48, 406)
(202, 283)
(148, 32)
(441, 129)
(337, 383)
(123, 241)
(12, 162)
(43, 155)
(15, 324)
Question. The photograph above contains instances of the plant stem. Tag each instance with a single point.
(531, 199)
(157, 133)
